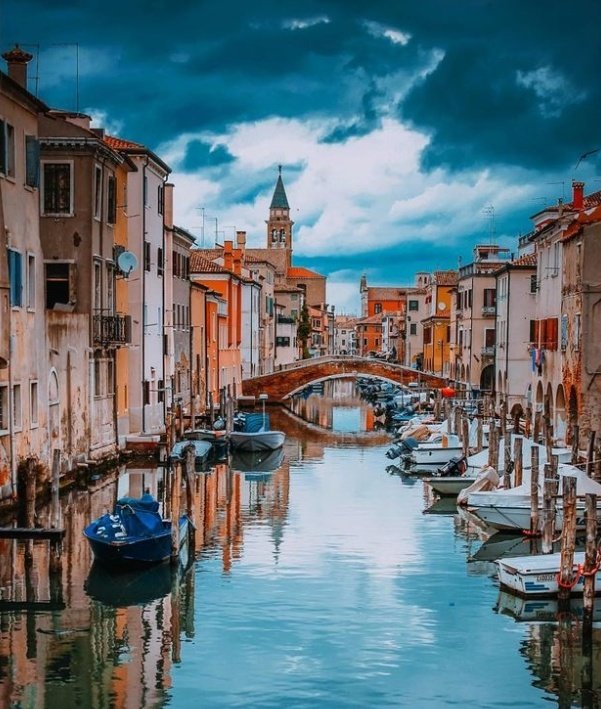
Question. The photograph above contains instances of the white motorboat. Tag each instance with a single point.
(253, 433)
(451, 486)
(537, 575)
(543, 610)
(510, 509)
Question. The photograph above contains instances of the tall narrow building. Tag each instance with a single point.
(279, 224)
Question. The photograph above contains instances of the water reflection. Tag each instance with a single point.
(317, 582)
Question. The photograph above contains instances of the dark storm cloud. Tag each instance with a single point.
(199, 155)
(518, 83)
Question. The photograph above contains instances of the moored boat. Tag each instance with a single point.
(134, 533)
(537, 575)
(202, 452)
(252, 432)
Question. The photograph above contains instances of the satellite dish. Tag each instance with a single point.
(127, 262)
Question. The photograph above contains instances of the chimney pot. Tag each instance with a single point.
(17, 60)
(577, 195)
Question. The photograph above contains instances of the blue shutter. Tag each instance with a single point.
(32, 161)
(15, 277)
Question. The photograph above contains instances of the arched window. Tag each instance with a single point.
(283, 236)
(274, 235)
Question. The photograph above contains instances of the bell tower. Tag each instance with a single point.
(279, 224)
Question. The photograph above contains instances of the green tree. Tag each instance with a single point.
(303, 331)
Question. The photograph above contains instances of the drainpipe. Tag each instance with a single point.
(142, 344)
(508, 301)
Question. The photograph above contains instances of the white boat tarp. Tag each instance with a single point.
(486, 480)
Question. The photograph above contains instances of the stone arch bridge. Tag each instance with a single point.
(294, 377)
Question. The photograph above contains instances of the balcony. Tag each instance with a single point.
(112, 329)
(488, 311)
(488, 351)
(286, 319)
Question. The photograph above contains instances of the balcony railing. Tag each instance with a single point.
(286, 319)
(488, 351)
(488, 311)
(112, 329)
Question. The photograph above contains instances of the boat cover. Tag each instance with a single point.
(253, 422)
(133, 517)
(487, 479)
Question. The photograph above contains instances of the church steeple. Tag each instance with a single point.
(279, 224)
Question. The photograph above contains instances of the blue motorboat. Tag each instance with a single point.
(135, 533)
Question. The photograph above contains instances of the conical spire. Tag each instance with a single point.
(279, 199)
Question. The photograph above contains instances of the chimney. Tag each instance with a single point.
(241, 243)
(17, 61)
(237, 258)
(578, 195)
(228, 255)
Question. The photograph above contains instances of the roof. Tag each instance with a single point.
(372, 320)
(384, 293)
(446, 278)
(583, 219)
(279, 199)
(131, 147)
(284, 288)
(300, 272)
(525, 260)
(200, 264)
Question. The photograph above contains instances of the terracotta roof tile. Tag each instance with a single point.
(200, 264)
(525, 260)
(120, 144)
(446, 278)
(284, 288)
(385, 293)
(584, 218)
(300, 272)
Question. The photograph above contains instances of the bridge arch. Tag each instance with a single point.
(282, 384)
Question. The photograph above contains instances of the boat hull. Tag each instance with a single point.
(255, 442)
(434, 455)
(135, 551)
(536, 575)
(449, 486)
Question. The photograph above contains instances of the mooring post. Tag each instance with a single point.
(536, 429)
(575, 443)
(590, 562)
(503, 416)
(534, 488)
(549, 495)
(190, 465)
(54, 563)
(590, 456)
(211, 410)
(176, 487)
(180, 421)
(528, 422)
(465, 436)
(479, 434)
(508, 463)
(518, 462)
(30, 493)
(493, 443)
(457, 421)
(567, 575)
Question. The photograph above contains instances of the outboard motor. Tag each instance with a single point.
(401, 448)
(455, 467)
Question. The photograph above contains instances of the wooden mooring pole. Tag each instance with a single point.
(176, 486)
(55, 512)
(479, 442)
(549, 496)
(534, 496)
(465, 436)
(507, 462)
(590, 455)
(590, 563)
(567, 575)
(575, 443)
(518, 463)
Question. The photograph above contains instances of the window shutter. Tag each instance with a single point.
(2, 147)
(32, 161)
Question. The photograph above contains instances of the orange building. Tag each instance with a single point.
(226, 281)
(376, 300)
(437, 323)
(369, 335)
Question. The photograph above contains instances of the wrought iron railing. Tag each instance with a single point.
(112, 329)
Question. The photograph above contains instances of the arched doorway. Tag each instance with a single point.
(53, 407)
(487, 378)
(539, 398)
(561, 421)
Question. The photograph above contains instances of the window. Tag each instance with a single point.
(60, 284)
(413, 329)
(427, 336)
(97, 191)
(161, 391)
(57, 189)
(32, 161)
(576, 341)
(97, 377)
(33, 404)
(160, 265)
(17, 417)
(147, 256)
(97, 286)
(110, 377)
(145, 392)
(30, 282)
(7, 149)
(414, 305)
(564, 332)
(15, 277)
(490, 297)
(110, 288)
(377, 308)
(111, 200)
(533, 283)
(160, 198)
(3, 407)
(489, 337)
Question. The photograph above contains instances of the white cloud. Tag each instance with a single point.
(552, 89)
(101, 119)
(297, 24)
(396, 36)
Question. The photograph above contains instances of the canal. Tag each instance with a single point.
(327, 582)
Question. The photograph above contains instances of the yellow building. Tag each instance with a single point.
(437, 323)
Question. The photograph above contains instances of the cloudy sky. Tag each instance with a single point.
(407, 131)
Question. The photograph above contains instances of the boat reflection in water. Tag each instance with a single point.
(136, 587)
(257, 463)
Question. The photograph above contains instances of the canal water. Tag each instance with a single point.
(329, 581)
